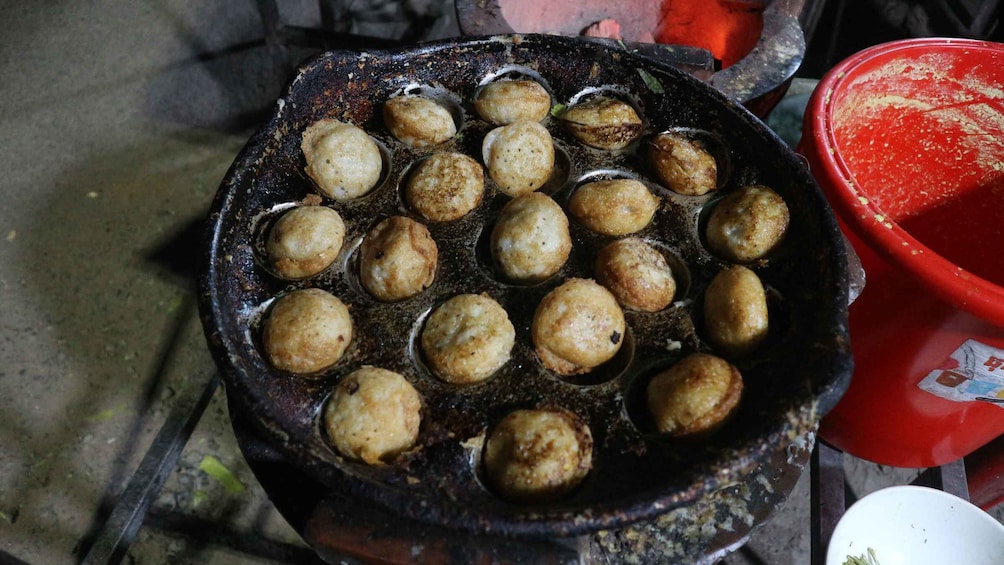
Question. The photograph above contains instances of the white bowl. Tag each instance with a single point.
(916, 526)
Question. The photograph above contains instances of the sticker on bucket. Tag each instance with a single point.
(974, 372)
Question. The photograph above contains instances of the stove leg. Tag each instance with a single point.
(950, 477)
(827, 496)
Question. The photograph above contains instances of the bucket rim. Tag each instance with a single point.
(871, 224)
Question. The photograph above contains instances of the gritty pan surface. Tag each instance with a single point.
(791, 381)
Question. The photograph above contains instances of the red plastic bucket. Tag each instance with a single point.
(906, 139)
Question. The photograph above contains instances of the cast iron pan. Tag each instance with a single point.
(795, 378)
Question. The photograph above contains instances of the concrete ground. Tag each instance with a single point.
(118, 120)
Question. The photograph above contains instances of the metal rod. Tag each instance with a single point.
(953, 479)
(271, 24)
(828, 498)
(123, 524)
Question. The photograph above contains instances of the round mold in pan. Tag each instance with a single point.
(636, 475)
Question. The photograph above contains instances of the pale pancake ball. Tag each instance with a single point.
(577, 327)
(418, 121)
(306, 331)
(373, 414)
(613, 207)
(342, 160)
(682, 164)
(603, 122)
(735, 311)
(537, 455)
(397, 259)
(530, 240)
(467, 338)
(519, 156)
(445, 187)
(637, 274)
(304, 241)
(506, 101)
(695, 396)
(747, 224)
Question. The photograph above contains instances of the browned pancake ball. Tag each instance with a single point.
(418, 121)
(682, 164)
(467, 338)
(519, 156)
(530, 240)
(735, 311)
(637, 274)
(306, 331)
(695, 396)
(304, 241)
(373, 414)
(445, 187)
(506, 101)
(537, 455)
(747, 224)
(603, 122)
(613, 207)
(577, 327)
(342, 160)
(397, 259)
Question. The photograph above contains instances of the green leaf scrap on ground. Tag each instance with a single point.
(12, 517)
(198, 497)
(217, 470)
(107, 414)
(41, 464)
(651, 82)
(175, 304)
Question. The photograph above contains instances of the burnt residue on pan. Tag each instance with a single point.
(795, 378)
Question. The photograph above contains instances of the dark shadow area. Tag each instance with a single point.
(848, 26)
(179, 258)
(201, 535)
(8, 559)
(233, 87)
